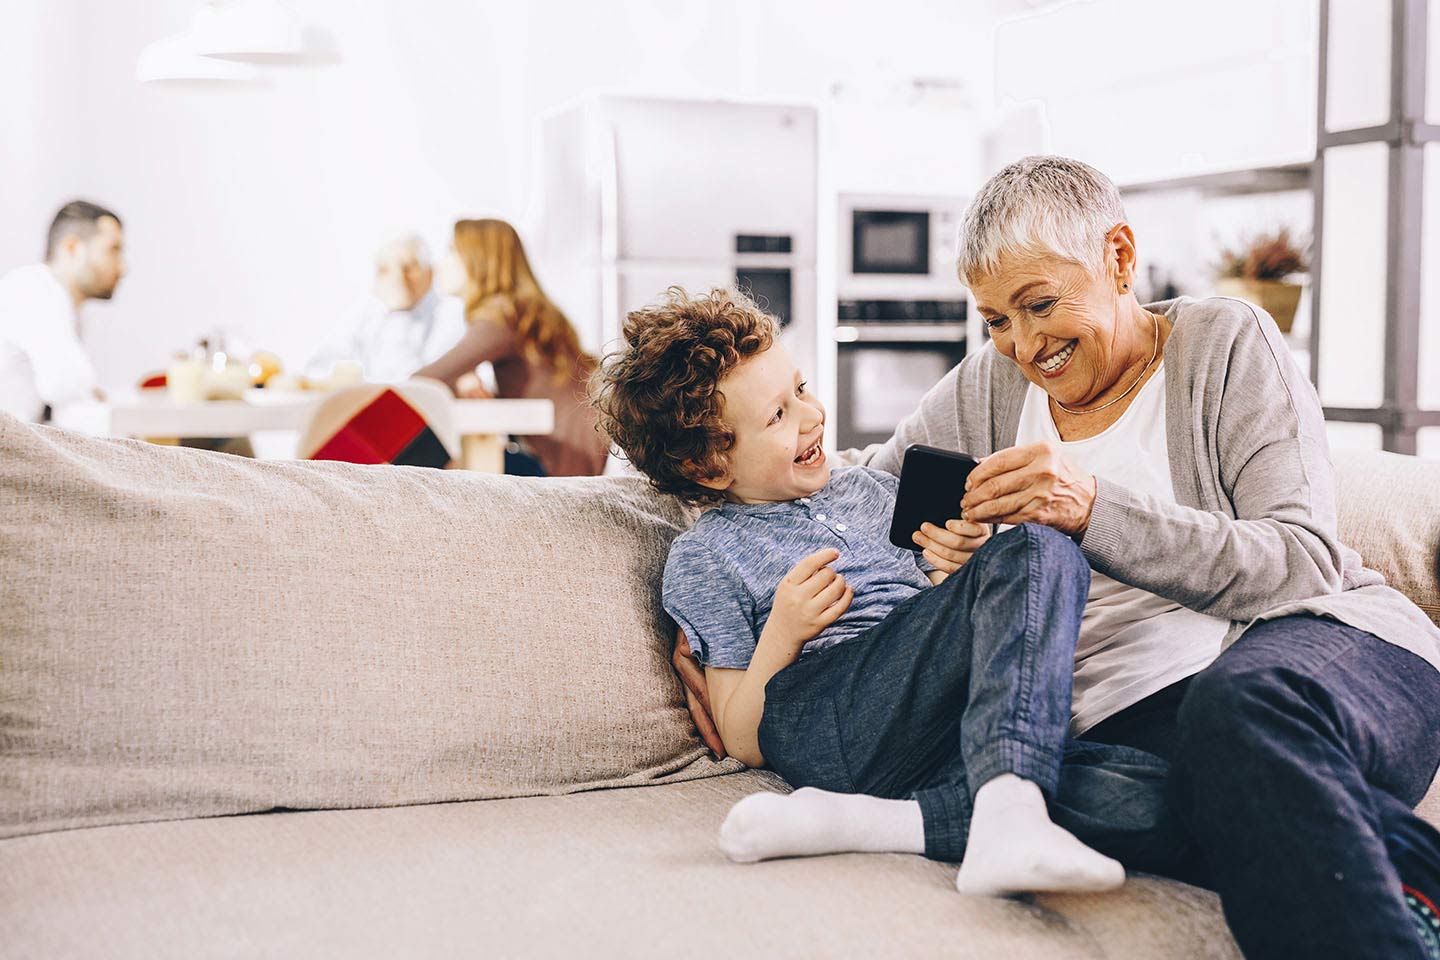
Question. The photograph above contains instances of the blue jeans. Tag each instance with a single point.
(961, 683)
(1299, 755)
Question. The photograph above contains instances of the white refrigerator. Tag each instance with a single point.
(637, 194)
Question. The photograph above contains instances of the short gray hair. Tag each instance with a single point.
(407, 243)
(1039, 205)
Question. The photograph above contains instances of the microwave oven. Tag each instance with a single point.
(898, 247)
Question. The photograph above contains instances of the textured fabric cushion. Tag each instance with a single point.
(619, 873)
(190, 634)
(1390, 514)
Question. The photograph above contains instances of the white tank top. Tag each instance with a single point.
(1132, 643)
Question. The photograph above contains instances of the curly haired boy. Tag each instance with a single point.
(917, 699)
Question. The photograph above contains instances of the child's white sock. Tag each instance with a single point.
(810, 822)
(1014, 847)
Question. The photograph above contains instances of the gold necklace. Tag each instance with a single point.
(1153, 354)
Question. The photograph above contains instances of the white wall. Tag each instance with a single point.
(255, 211)
(1149, 90)
(38, 94)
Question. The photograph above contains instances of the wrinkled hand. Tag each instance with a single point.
(1035, 483)
(809, 598)
(697, 694)
(950, 548)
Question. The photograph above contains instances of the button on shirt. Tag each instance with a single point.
(390, 344)
(42, 362)
(721, 575)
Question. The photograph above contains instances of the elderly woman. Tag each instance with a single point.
(1227, 630)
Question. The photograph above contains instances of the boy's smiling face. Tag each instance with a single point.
(778, 426)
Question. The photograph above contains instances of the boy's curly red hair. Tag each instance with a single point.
(658, 397)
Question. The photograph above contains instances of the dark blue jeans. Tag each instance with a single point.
(1299, 756)
(961, 683)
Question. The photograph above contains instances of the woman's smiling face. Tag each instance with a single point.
(1059, 323)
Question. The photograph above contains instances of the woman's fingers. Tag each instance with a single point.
(1000, 462)
(697, 694)
(705, 725)
(1012, 481)
(691, 673)
(1015, 508)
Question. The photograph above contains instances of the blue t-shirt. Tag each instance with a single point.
(721, 574)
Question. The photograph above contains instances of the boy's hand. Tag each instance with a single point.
(950, 548)
(809, 598)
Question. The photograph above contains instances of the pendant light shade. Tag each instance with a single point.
(261, 32)
(226, 41)
(175, 61)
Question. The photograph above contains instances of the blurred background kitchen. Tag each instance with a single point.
(278, 166)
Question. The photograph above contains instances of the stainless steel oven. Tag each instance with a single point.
(901, 317)
(888, 355)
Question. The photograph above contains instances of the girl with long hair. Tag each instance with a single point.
(532, 347)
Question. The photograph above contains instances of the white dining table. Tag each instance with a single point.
(481, 424)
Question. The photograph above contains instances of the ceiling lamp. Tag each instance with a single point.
(176, 61)
(261, 32)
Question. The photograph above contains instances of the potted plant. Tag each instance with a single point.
(1258, 270)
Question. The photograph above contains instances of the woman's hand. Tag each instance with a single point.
(697, 694)
(950, 548)
(1035, 483)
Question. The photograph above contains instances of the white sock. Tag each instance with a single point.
(811, 822)
(1015, 848)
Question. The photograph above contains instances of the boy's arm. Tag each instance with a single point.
(810, 598)
(738, 697)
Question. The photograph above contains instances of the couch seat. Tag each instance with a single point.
(631, 872)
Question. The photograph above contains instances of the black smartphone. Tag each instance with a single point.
(932, 481)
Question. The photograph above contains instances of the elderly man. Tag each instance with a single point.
(402, 326)
(44, 371)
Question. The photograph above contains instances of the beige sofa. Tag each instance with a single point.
(297, 710)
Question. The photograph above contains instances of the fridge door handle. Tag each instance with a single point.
(609, 171)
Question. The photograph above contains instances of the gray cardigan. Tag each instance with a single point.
(1252, 535)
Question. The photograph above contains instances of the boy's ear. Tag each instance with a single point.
(719, 483)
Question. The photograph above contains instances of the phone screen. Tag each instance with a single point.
(932, 481)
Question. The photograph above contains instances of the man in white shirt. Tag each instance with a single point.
(43, 366)
(402, 326)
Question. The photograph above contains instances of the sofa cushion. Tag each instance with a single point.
(620, 873)
(190, 634)
(1390, 514)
